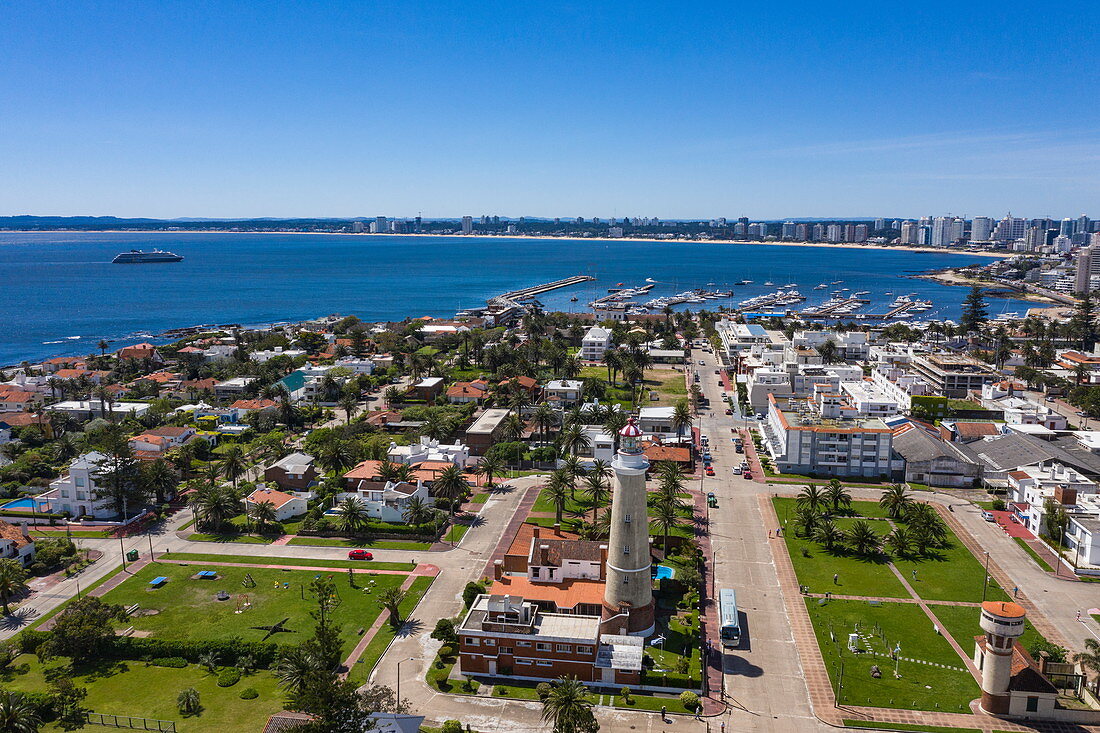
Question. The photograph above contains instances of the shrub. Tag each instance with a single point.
(176, 662)
(625, 694)
(543, 689)
(446, 650)
(451, 726)
(249, 693)
(998, 505)
(229, 677)
(689, 699)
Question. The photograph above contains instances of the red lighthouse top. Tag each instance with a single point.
(630, 430)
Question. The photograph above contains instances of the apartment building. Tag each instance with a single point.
(953, 375)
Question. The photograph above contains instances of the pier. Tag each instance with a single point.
(512, 305)
(534, 290)
(826, 311)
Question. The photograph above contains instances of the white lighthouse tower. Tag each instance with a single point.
(628, 595)
(1003, 624)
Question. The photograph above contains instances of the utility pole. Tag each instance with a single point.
(985, 580)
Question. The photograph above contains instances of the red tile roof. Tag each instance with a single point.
(566, 594)
(260, 404)
(277, 498)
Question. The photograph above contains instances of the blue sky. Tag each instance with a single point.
(671, 109)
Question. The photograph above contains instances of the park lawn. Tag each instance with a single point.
(681, 634)
(247, 539)
(1033, 555)
(188, 609)
(480, 498)
(132, 688)
(949, 574)
(848, 723)
(374, 544)
(456, 533)
(921, 686)
(579, 503)
(857, 576)
(80, 534)
(669, 385)
(199, 557)
(377, 646)
(962, 623)
(650, 702)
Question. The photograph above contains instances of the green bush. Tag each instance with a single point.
(228, 651)
(543, 689)
(446, 650)
(689, 699)
(249, 693)
(229, 677)
(998, 505)
(176, 662)
(451, 726)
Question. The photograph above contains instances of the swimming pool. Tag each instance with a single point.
(19, 504)
(664, 571)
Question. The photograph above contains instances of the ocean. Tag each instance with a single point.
(62, 294)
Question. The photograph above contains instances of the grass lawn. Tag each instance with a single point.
(188, 609)
(904, 726)
(374, 544)
(516, 692)
(962, 623)
(579, 503)
(199, 557)
(1034, 555)
(82, 534)
(681, 641)
(921, 686)
(132, 688)
(480, 498)
(857, 576)
(950, 574)
(650, 702)
(456, 533)
(381, 641)
(669, 385)
(247, 539)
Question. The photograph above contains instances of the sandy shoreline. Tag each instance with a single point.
(818, 245)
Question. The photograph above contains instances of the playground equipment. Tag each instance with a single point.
(248, 582)
(243, 603)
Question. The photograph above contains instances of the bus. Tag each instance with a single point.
(730, 630)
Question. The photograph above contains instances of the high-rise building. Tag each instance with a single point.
(803, 232)
(1009, 229)
(909, 230)
(958, 229)
(980, 229)
(467, 225)
(357, 227)
(895, 224)
(941, 231)
(818, 233)
(1088, 267)
(880, 224)
(740, 229)
(1082, 224)
(381, 224)
(788, 230)
(1066, 227)
(860, 233)
(1035, 237)
(758, 231)
(743, 220)
(1062, 244)
(835, 233)
(628, 594)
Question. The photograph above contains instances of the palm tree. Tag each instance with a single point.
(613, 422)
(393, 396)
(350, 514)
(863, 539)
(262, 513)
(811, 498)
(544, 418)
(391, 599)
(417, 511)
(450, 484)
(188, 701)
(208, 660)
(666, 517)
(395, 472)
(212, 506)
(568, 707)
(826, 533)
(597, 489)
(512, 428)
(336, 455)
(13, 581)
(806, 519)
(900, 542)
(895, 501)
(557, 491)
(681, 417)
(233, 463)
(573, 439)
(437, 425)
(158, 479)
(102, 346)
(837, 496)
(574, 469)
(17, 714)
(1090, 659)
(490, 466)
(296, 668)
(349, 401)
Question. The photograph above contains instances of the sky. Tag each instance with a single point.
(669, 109)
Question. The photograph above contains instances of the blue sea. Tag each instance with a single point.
(61, 293)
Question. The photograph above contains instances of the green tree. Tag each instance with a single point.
(83, 630)
(450, 484)
(598, 490)
(896, 501)
(666, 517)
(326, 633)
(233, 463)
(66, 699)
(568, 708)
(1082, 323)
(1090, 660)
(157, 478)
(975, 313)
(13, 581)
(837, 496)
(828, 352)
(188, 701)
(490, 467)
(811, 498)
(17, 714)
(391, 599)
(417, 511)
(681, 417)
(262, 513)
(557, 491)
(827, 534)
(351, 514)
(863, 539)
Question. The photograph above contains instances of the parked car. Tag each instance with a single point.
(710, 471)
(737, 470)
(747, 475)
(740, 448)
(987, 516)
(729, 412)
(360, 555)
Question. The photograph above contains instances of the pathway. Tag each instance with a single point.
(368, 636)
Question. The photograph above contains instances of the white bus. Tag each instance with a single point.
(730, 630)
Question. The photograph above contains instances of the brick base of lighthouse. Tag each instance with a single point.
(995, 704)
(639, 621)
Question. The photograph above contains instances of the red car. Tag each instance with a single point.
(360, 555)
(710, 471)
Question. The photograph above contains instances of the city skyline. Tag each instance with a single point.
(681, 113)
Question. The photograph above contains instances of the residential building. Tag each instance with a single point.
(486, 430)
(1088, 269)
(564, 393)
(294, 472)
(850, 346)
(467, 225)
(268, 354)
(1031, 487)
(658, 421)
(1009, 229)
(357, 364)
(386, 502)
(601, 446)
(16, 543)
(157, 442)
(595, 342)
(868, 399)
(429, 449)
(427, 389)
(462, 393)
(75, 493)
(953, 375)
(285, 505)
(738, 338)
(140, 351)
(981, 228)
(899, 385)
(234, 387)
(87, 409)
(932, 461)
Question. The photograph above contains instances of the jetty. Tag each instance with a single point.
(836, 308)
(534, 290)
(512, 305)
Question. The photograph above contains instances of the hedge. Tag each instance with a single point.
(228, 651)
(29, 515)
(229, 677)
(175, 662)
(249, 693)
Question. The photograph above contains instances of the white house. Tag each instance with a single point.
(429, 449)
(564, 392)
(87, 409)
(285, 505)
(595, 343)
(600, 444)
(268, 354)
(388, 503)
(658, 421)
(74, 493)
(356, 364)
(16, 543)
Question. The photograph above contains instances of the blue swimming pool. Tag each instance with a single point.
(19, 504)
(664, 571)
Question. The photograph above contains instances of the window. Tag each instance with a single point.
(542, 646)
(584, 650)
(490, 642)
(505, 650)
(550, 573)
(544, 663)
(471, 641)
(534, 572)
(1032, 704)
(626, 519)
(526, 662)
(523, 643)
(626, 549)
(79, 481)
(567, 648)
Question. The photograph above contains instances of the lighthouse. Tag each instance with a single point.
(1003, 624)
(628, 594)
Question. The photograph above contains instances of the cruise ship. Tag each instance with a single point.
(138, 257)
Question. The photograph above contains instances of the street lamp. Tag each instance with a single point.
(397, 708)
(985, 580)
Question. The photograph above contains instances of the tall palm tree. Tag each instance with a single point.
(13, 581)
(17, 714)
(613, 422)
(391, 599)
(806, 520)
(811, 498)
(896, 501)
(158, 479)
(666, 517)
(512, 428)
(297, 667)
(1090, 659)
(349, 401)
(837, 496)
(863, 539)
(545, 418)
(417, 511)
(681, 417)
(573, 439)
(489, 466)
(900, 542)
(233, 463)
(336, 455)
(828, 534)
(574, 469)
(395, 472)
(450, 484)
(213, 506)
(568, 707)
(350, 514)
(262, 513)
(436, 425)
(557, 490)
(597, 489)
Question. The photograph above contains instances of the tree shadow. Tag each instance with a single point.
(18, 618)
(409, 627)
(101, 669)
